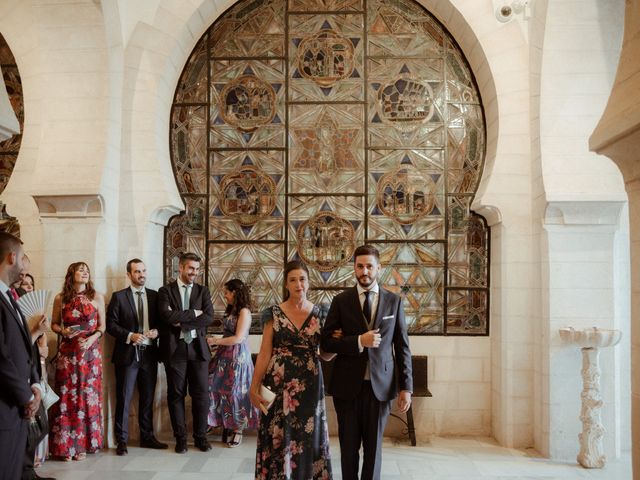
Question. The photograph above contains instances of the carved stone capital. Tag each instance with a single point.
(583, 213)
(70, 206)
(162, 215)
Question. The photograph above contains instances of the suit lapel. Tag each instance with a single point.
(194, 294)
(354, 301)
(151, 307)
(382, 297)
(18, 318)
(175, 293)
(129, 294)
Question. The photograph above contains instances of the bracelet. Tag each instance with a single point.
(99, 331)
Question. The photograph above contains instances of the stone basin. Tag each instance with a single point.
(590, 337)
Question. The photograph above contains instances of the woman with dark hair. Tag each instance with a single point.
(293, 440)
(231, 368)
(28, 283)
(78, 317)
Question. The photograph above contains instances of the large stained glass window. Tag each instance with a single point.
(303, 128)
(9, 148)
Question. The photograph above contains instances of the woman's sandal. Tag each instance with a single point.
(236, 439)
(79, 457)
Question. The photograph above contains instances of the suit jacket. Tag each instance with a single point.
(392, 354)
(174, 320)
(17, 369)
(122, 319)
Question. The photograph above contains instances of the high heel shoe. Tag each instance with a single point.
(236, 439)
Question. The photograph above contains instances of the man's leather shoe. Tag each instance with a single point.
(121, 449)
(181, 445)
(203, 444)
(38, 477)
(153, 443)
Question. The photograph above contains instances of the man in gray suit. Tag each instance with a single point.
(374, 344)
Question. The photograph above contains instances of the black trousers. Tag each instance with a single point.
(361, 421)
(187, 371)
(143, 373)
(13, 444)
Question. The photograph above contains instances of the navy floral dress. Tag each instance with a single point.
(230, 372)
(293, 440)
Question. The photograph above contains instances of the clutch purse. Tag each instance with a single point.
(269, 396)
(49, 397)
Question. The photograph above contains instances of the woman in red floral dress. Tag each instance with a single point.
(78, 317)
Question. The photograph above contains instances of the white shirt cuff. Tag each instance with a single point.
(360, 347)
(129, 337)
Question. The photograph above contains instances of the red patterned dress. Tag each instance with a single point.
(77, 417)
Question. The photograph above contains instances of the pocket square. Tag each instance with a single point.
(388, 317)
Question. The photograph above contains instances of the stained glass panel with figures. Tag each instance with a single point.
(303, 128)
(10, 147)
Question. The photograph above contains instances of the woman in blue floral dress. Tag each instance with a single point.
(231, 368)
(293, 441)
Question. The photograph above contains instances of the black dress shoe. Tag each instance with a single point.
(203, 444)
(153, 443)
(38, 477)
(181, 445)
(121, 449)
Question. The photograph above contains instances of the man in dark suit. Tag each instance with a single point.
(20, 393)
(374, 345)
(132, 319)
(185, 312)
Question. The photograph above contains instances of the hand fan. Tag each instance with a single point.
(34, 303)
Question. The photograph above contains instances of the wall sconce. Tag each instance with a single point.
(507, 11)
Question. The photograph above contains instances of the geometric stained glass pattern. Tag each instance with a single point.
(303, 128)
(9, 148)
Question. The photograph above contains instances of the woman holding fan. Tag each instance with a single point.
(78, 317)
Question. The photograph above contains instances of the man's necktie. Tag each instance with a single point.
(140, 312)
(185, 306)
(366, 308)
(16, 307)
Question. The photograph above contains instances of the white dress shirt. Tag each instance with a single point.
(145, 312)
(374, 297)
(181, 286)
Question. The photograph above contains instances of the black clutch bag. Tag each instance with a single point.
(38, 427)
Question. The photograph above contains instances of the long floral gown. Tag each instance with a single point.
(293, 440)
(77, 417)
(230, 372)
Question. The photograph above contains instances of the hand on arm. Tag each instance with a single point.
(327, 357)
(343, 345)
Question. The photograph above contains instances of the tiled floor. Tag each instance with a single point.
(440, 459)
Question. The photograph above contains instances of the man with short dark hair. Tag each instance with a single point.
(132, 319)
(374, 344)
(186, 311)
(20, 395)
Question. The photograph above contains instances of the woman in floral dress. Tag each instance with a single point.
(231, 368)
(293, 441)
(78, 317)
